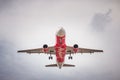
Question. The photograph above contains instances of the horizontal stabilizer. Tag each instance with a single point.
(51, 65)
(68, 65)
(64, 65)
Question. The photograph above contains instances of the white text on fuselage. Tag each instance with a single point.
(60, 51)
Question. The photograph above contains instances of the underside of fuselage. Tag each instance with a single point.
(60, 47)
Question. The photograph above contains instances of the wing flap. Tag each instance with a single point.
(70, 50)
(38, 50)
(51, 50)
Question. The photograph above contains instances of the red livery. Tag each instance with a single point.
(60, 50)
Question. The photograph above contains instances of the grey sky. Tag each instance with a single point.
(100, 20)
(32, 23)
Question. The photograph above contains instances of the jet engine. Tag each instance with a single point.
(45, 46)
(75, 48)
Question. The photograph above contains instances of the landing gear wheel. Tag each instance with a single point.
(70, 57)
(50, 57)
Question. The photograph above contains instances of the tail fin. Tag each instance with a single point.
(68, 65)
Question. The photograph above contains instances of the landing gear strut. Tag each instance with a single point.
(50, 57)
(70, 57)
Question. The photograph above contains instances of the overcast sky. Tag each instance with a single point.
(31, 23)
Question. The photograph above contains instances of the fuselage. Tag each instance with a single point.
(60, 47)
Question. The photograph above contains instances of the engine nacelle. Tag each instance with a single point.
(45, 46)
(75, 48)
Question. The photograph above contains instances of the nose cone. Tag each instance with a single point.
(61, 32)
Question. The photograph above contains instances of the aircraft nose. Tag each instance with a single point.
(61, 32)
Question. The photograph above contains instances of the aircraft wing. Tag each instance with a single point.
(70, 50)
(50, 50)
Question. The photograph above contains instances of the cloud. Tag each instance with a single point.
(4, 4)
(101, 20)
(23, 23)
(12, 66)
(6, 60)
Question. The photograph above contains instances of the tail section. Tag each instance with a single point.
(64, 65)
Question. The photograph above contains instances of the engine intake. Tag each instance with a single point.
(45, 46)
(75, 46)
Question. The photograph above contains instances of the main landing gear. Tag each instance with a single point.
(70, 57)
(50, 57)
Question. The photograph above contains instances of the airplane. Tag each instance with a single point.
(60, 50)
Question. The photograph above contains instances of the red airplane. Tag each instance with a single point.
(60, 50)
